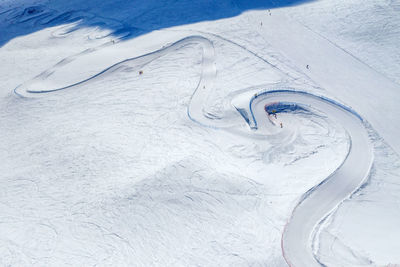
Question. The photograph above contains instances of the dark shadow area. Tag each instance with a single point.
(124, 18)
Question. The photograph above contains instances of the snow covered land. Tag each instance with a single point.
(199, 133)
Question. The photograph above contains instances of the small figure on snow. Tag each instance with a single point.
(140, 72)
(274, 113)
(281, 125)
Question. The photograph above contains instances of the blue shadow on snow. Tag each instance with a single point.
(123, 18)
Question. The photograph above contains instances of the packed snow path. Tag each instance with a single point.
(318, 202)
(44, 83)
(322, 199)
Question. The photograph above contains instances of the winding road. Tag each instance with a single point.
(318, 202)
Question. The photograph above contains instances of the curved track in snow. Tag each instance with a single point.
(319, 201)
(43, 83)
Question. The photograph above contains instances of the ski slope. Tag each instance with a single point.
(343, 72)
(317, 203)
(138, 145)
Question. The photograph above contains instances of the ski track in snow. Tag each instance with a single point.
(321, 200)
(318, 202)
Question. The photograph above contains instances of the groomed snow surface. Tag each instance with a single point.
(129, 142)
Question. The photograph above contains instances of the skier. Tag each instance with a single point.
(281, 125)
(274, 113)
